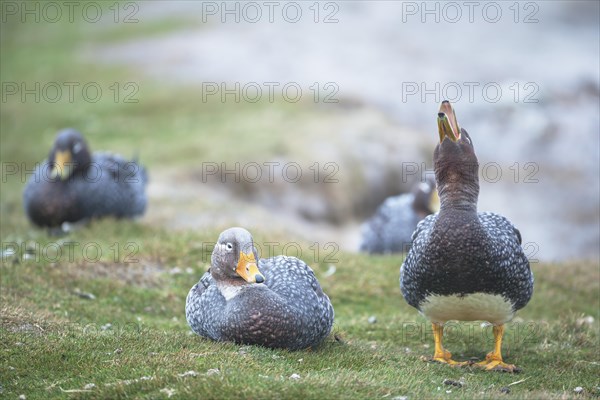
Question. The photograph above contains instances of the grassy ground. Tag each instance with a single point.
(55, 339)
(118, 322)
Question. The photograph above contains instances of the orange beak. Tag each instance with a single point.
(248, 269)
(63, 165)
(447, 122)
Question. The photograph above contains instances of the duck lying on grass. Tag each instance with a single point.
(74, 185)
(464, 265)
(275, 302)
(390, 229)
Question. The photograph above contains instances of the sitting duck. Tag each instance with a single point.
(74, 185)
(390, 229)
(275, 302)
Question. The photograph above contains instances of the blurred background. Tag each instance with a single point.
(302, 117)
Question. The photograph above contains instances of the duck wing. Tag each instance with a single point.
(296, 284)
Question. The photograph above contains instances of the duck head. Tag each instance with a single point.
(69, 154)
(455, 163)
(234, 258)
(426, 197)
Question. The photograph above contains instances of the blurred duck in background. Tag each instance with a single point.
(73, 185)
(390, 229)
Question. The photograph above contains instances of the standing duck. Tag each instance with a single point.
(464, 265)
(74, 185)
(390, 229)
(275, 302)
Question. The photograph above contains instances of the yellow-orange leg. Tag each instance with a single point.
(442, 355)
(493, 361)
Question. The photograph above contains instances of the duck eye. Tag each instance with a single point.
(76, 148)
(229, 246)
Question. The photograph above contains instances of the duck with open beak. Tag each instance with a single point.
(464, 265)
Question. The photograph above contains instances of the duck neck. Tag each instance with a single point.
(230, 288)
(458, 196)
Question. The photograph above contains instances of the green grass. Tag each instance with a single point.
(54, 341)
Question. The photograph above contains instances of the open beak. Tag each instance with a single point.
(62, 165)
(248, 269)
(447, 122)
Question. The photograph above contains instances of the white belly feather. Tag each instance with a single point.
(472, 307)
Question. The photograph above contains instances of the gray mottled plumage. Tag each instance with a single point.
(459, 252)
(99, 185)
(289, 310)
(390, 229)
(471, 254)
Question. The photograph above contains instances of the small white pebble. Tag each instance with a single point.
(22, 397)
(330, 271)
(578, 389)
(213, 371)
(188, 373)
(189, 271)
(448, 391)
(589, 320)
(84, 295)
(11, 367)
(372, 319)
(295, 376)
(168, 392)
(89, 386)
(7, 253)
